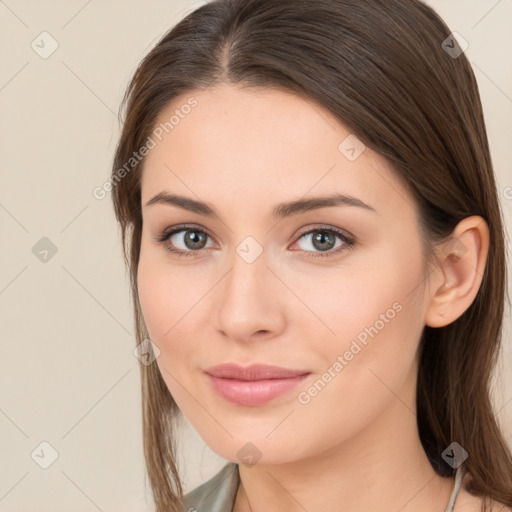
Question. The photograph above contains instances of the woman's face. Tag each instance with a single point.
(258, 284)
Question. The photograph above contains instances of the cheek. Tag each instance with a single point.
(368, 365)
(170, 299)
(164, 308)
(152, 298)
(376, 332)
(369, 315)
(165, 293)
(371, 293)
(376, 315)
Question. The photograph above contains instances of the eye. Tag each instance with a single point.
(193, 241)
(190, 238)
(324, 241)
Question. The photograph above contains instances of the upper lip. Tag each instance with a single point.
(252, 372)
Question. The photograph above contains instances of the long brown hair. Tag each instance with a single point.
(392, 72)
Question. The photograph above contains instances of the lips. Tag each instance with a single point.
(253, 372)
(253, 385)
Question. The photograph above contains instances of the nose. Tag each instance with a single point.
(249, 301)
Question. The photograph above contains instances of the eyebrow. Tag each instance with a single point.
(280, 211)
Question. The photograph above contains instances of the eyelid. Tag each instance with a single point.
(325, 227)
(166, 233)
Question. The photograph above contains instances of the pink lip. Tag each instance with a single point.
(253, 385)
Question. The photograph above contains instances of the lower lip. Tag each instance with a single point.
(253, 392)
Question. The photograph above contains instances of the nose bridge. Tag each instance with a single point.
(245, 281)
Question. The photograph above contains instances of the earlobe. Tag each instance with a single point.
(459, 274)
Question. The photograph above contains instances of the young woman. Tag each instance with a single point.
(310, 219)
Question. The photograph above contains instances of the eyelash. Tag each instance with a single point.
(348, 243)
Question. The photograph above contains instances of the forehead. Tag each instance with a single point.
(250, 145)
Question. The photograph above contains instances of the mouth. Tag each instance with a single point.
(254, 385)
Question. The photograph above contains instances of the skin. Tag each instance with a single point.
(356, 442)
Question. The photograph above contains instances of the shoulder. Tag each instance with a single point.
(217, 493)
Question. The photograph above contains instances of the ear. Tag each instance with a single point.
(457, 278)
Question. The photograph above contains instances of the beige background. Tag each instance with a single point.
(68, 375)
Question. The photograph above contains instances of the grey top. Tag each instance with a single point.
(219, 492)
